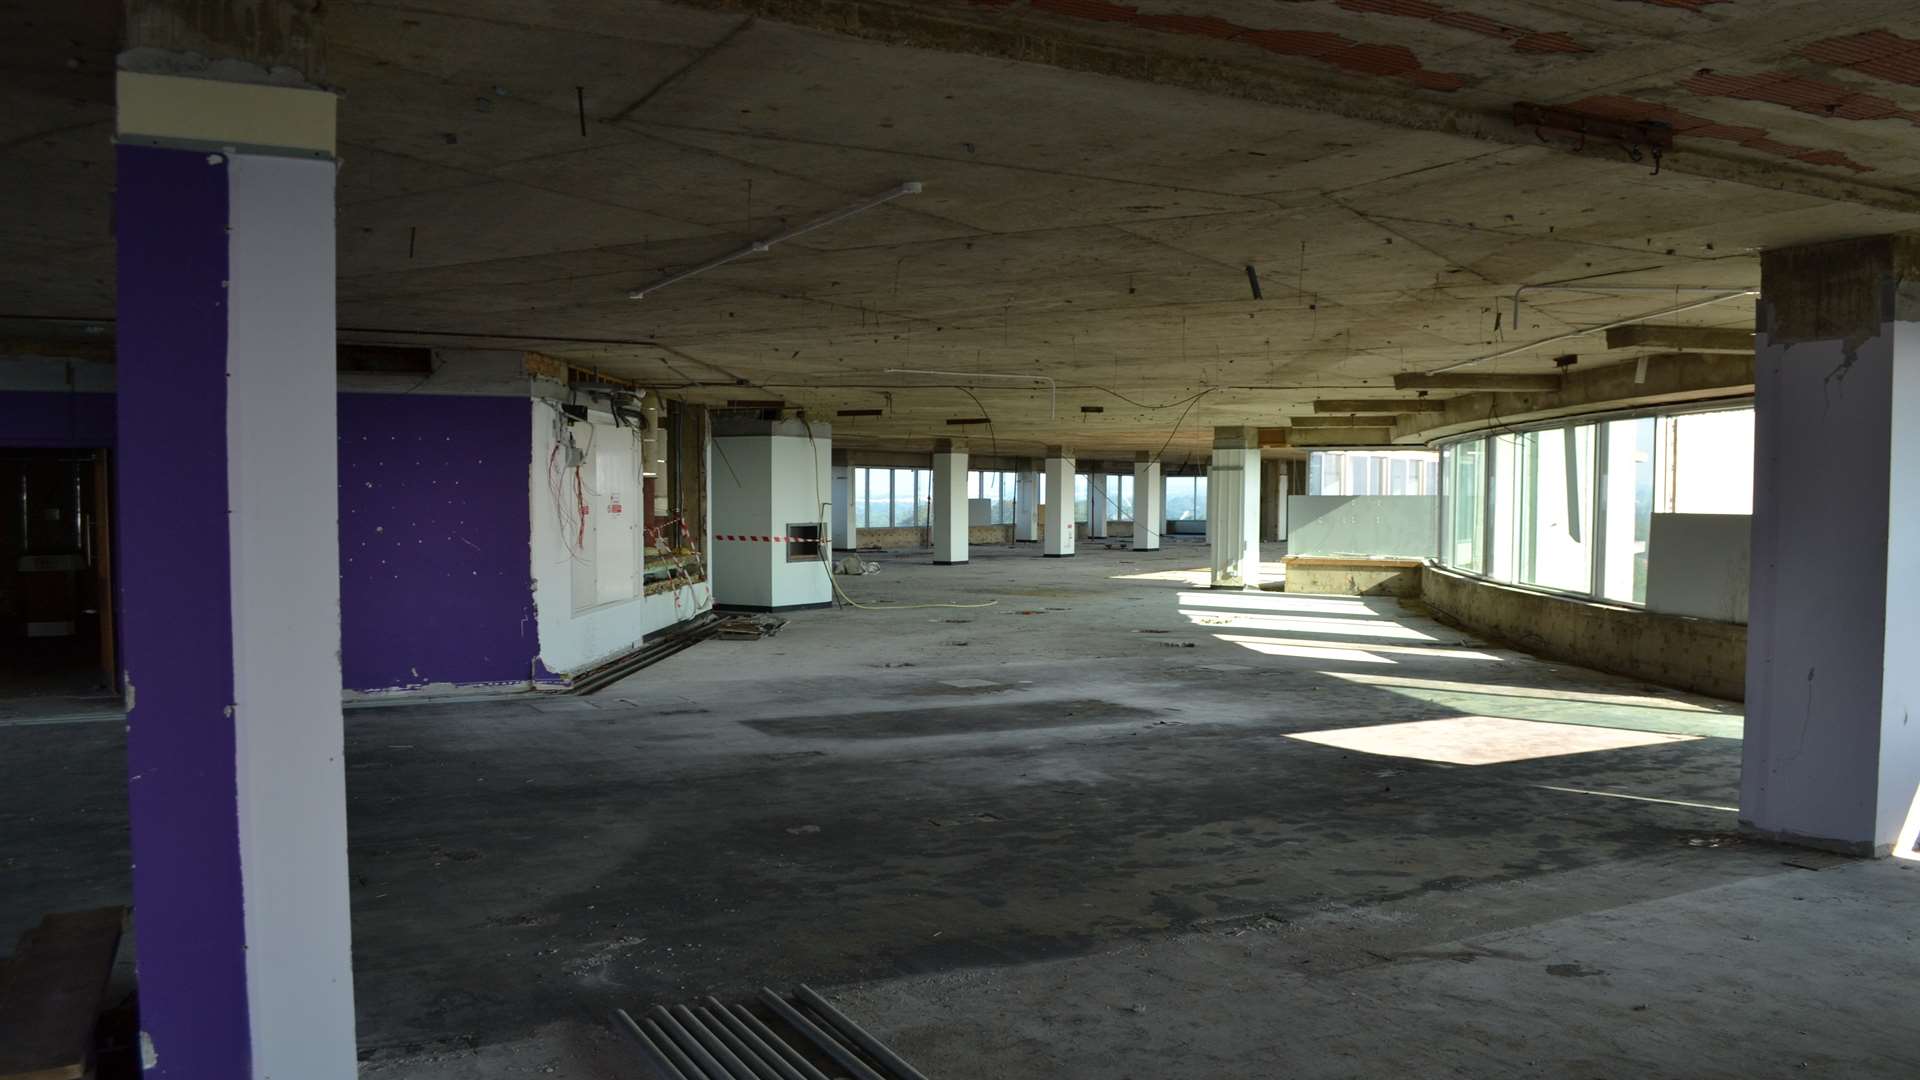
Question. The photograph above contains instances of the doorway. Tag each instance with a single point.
(57, 651)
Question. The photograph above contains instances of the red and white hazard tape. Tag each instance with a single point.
(770, 539)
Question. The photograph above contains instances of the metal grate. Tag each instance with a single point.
(709, 1041)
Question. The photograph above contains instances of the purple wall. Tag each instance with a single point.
(56, 419)
(435, 584)
(176, 619)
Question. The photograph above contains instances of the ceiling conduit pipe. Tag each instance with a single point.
(910, 187)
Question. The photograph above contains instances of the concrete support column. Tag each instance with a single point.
(1832, 747)
(1096, 505)
(1233, 508)
(1026, 502)
(846, 536)
(229, 567)
(1060, 524)
(949, 502)
(1149, 503)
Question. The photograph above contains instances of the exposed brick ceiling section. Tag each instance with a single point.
(1801, 94)
(1881, 54)
(1357, 57)
(1688, 125)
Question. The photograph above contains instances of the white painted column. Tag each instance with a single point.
(1149, 503)
(1233, 508)
(1026, 502)
(1831, 755)
(1060, 525)
(229, 574)
(949, 502)
(1096, 505)
(845, 535)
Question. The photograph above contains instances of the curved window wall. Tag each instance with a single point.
(1569, 507)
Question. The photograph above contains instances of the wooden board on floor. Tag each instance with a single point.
(50, 994)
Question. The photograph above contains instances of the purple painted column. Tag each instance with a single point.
(229, 604)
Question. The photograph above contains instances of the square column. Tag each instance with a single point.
(1233, 508)
(767, 554)
(1060, 524)
(845, 535)
(1026, 502)
(949, 503)
(1831, 756)
(230, 578)
(1096, 506)
(1149, 503)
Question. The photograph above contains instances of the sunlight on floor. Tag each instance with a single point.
(1201, 577)
(1274, 602)
(1639, 798)
(1371, 648)
(1639, 701)
(1304, 651)
(1335, 627)
(1483, 740)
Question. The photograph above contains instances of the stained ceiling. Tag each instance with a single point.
(1098, 178)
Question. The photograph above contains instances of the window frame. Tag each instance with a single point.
(1492, 448)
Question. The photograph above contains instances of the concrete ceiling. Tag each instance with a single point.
(1097, 178)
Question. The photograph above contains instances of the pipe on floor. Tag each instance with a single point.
(799, 1022)
(805, 1067)
(837, 1019)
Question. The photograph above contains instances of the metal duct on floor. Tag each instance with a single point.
(709, 1041)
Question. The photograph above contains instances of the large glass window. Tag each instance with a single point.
(1627, 493)
(1080, 503)
(1571, 507)
(1118, 489)
(1382, 472)
(1186, 498)
(1466, 506)
(997, 488)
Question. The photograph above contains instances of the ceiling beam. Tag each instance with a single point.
(1730, 339)
(1375, 405)
(1272, 437)
(1476, 381)
(1318, 422)
(1076, 45)
(1371, 435)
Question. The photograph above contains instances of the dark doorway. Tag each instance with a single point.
(56, 581)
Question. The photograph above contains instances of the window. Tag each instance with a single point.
(1186, 498)
(1118, 491)
(997, 487)
(1627, 493)
(1383, 472)
(892, 498)
(1571, 507)
(1465, 505)
(1080, 504)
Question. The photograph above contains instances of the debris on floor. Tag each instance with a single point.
(854, 566)
(750, 627)
(709, 1040)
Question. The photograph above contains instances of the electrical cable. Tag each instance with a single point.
(826, 563)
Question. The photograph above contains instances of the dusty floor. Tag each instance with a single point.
(1111, 826)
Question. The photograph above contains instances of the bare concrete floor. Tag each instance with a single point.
(1114, 825)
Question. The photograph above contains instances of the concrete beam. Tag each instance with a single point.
(1272, 438)
(1681, 338)
(1476, 380)
(1375, 405)
(275, 35)
(1317, 422)
(1336, 438)
(1671, 378)
(1084, 44)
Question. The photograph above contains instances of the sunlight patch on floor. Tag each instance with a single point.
(1483, 740)
(1373, 647)
(1279, 604)
(1638, 701)
(1338, 626)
